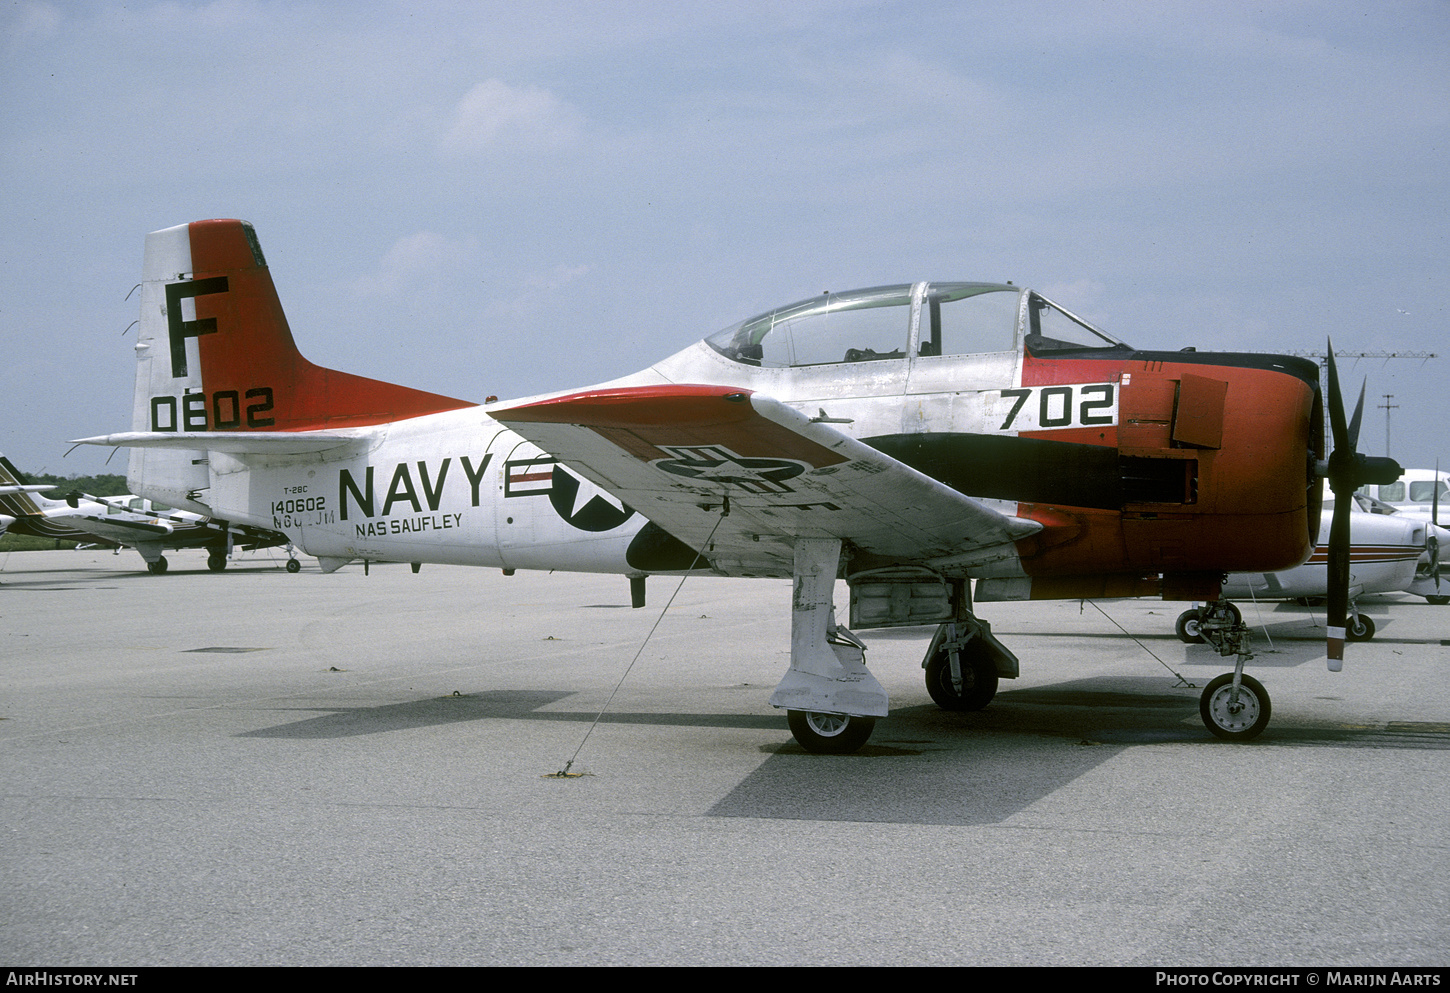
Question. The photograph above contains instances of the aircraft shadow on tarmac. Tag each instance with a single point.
(982, 768)
(994, 762)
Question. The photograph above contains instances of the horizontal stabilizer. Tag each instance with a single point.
(238, 443)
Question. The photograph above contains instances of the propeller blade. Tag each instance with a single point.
(1354, 421)
(1435, 497)
(1347, 471)
(1338, 588)
(1335, 403)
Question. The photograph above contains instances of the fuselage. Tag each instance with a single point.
(1137, 463)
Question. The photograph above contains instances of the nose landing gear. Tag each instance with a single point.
(1234, 707)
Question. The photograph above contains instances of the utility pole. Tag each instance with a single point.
(1387, 407)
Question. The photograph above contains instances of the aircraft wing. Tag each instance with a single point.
(118, 530)
(749, 475)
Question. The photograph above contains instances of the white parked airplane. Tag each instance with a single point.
(1418, 496)
(128, 520)
(1419, 491)
(908, 438)
(1385, 557)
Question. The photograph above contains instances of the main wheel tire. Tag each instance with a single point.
(1243, 722)
(829, 734)
(1187, 628)
(1359, 628)
(158, 567)
(293, 565)
(216, 563)
(979, 681)
(1438, 601)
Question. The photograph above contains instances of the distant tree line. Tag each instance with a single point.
(108, 485)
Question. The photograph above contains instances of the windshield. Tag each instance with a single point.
(1053, 329)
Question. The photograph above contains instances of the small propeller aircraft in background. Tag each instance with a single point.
(908, 438)
(1417, 496)
(1418, 491)
(1387, 555)
(130, 521)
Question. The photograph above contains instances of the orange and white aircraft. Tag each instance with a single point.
(908, 438)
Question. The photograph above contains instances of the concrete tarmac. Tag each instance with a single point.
(257, 768)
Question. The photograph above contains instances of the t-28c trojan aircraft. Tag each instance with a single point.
(908, 438)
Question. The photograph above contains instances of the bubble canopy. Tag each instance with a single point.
(922, 320)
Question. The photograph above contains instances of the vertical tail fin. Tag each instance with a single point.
(211, 323)
(16, 499)
(214, 353)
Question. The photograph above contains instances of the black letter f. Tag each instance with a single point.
(181, 330)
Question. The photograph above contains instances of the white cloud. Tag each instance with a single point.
(537, 290)
(494, 116)
(425, 260)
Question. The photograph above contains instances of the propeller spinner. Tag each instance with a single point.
(1347, 471)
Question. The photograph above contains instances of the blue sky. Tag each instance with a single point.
(499, 198)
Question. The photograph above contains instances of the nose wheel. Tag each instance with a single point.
(1234, 707)
(1234, 713)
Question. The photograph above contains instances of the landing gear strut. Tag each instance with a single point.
(1234, 707)
(831, 701)
(1221, 614)
(961, 672)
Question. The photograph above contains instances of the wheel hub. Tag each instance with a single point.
(827, 725)
(1234, 716)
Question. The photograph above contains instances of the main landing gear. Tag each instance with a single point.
(961, 667)
(829, 734)
(1235, 707)
(1221, 613)
(1193, 622)
(831, 701)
